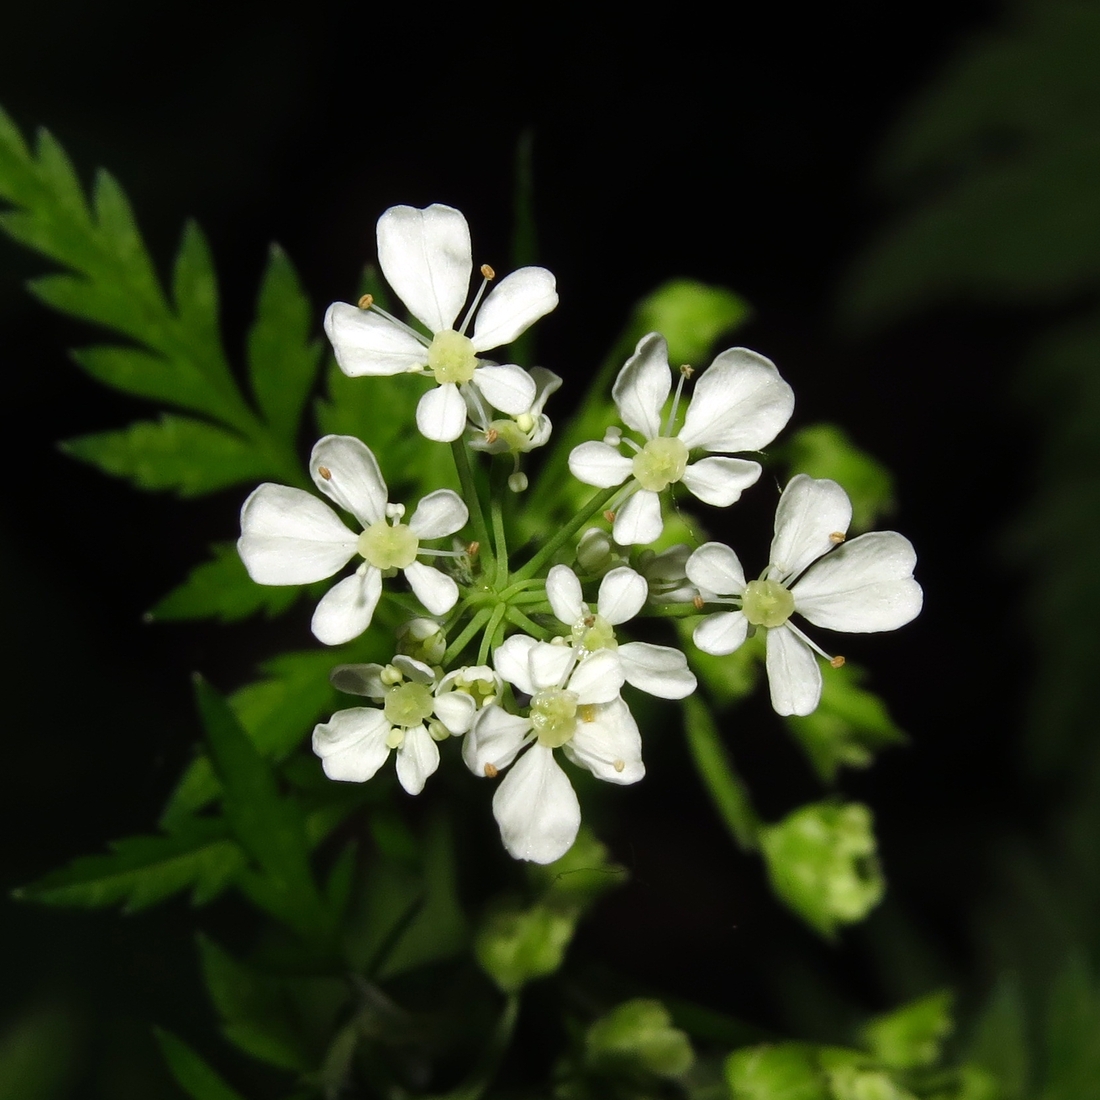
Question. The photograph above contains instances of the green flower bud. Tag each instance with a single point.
(638, 1037)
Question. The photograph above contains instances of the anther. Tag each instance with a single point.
(837, 662)
(698, 603)
(487, 272)
(472, 549)
(366, 301)
(491, 435)
(618, 765)
(490, 771)
(837, 537)
(687, 370)
(325, 472)
(586, 712)
(590, 620)
(609, 516)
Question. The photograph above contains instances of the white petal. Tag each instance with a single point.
(809, 511)
(456, 710)
(563, 590)
(414, 670)
(511, 660)
(512, 306)
(793, 673)
(638, 521)
(722, 633)
(352, 744)
(550, 665)
(441, 413)
(426, 258)
(365, 343)
(598, 678)
(494, 739)
(720, 481)
(354, 480)
(508, 388)
(438, 514)
(417, 758)
(740, 404)
(863, 586)
(622, 595)
(546, 382)
(609, 746)
(536, 808)
(288, 536)
(359, 680)
(435, 590)
(715, 567)
(346, 610)
(643, 386)
(599, 464)
(657, 669)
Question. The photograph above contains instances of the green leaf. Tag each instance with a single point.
(515, 946)
(141, 871)
(282, 358)
(269, 827)
(582, 876)
(192, 1074)
(188, 456)
(222, 589)
(911, 1036)
(785, 1072)
(638, 1036)
(849, 726)
(255, 1013)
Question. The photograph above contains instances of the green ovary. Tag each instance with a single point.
(451, 357)
(387, 547)
(660, 462)
(554, 716)
(594, 632)
(512, 433)
(767, 603)
(408, 705)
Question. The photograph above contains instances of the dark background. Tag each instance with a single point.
(738, 152)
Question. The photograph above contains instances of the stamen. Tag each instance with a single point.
(395, 511)
(837, 537)
(609, 516)
(491, 436)
(587, 712)
(698, 603)
(517, 481)
(613, 436)
(472, 548)
(837, 662)
(366, 301)
(393, 320)
(487, 274)
(325, 472)
(490, 771)
(685, 373)
(618, 765)
(813, 645)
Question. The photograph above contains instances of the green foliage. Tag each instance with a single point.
(637, 1037)
(821, 860)
(192, 1074)
(141, 871)
(911, 1036)
(786, 1072)
(36, 1056)
(849, 726)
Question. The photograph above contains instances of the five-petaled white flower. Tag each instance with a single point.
(354, 743)
(740, 404)
(288, 536)
(862, 586)
(656, 669)
(426, 257)
(575, 706)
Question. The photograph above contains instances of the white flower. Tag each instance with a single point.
(479, 682)
(575, 706)
(657, 669)
(288, 536)
(520, 432)
(740, 404)
(862, 586)
(426, 257)
(354, 743)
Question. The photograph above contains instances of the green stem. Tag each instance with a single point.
(481, 1076)
(517, 617)
(460, 643)
(678, 610)
(726, 788)
(487, 638)
(550, 548)
(500, 540)
(473, 501)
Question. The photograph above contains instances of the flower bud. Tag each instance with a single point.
(638, 1037)
(423, 640)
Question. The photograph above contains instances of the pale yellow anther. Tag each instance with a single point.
(837, 662)
(587, 712)
(619, 765)
(487, 272)
(490, 771)
(837, 537)
(698, 603)
(609, 516)
(366, 301)
(472, 548)
(325, 472)
(491, 435)
(687, 370)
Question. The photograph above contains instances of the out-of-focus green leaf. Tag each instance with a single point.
(849, 726)
(822, 862)
(221, 589)
(254, 1012)
(913, 1035)
(690, 315)
(192, 1074)
(729, 678)
(785, 1072)
(141, 871)
(188, 456)
(580, 877)
(517, 945)
(824, 450)
(282, 358)
(638, 1036)
(36, 1056)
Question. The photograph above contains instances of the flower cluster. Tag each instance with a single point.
(524, 658)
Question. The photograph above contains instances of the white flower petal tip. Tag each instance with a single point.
(794, 677)
(643, 385)
(346, 609)
(512, 306)
(352, 744)
(441, 414)
(366, 344)
(638, 521)
(345, 470)
(657, 670)
(536, 808)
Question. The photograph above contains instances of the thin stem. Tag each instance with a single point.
(501, 541)
(481, 1077)
(460, 643)
(677, 610)
(473, 501)
(517, 618)
(549, 549)
(514, 590)
(726, 788)
(487, 639)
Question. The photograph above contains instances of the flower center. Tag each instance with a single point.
(387, 547)
(554, 716)
(767, 603)
(408, 705)
(513, 433)
(594, 632)
(660, 462)
(451, 357)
